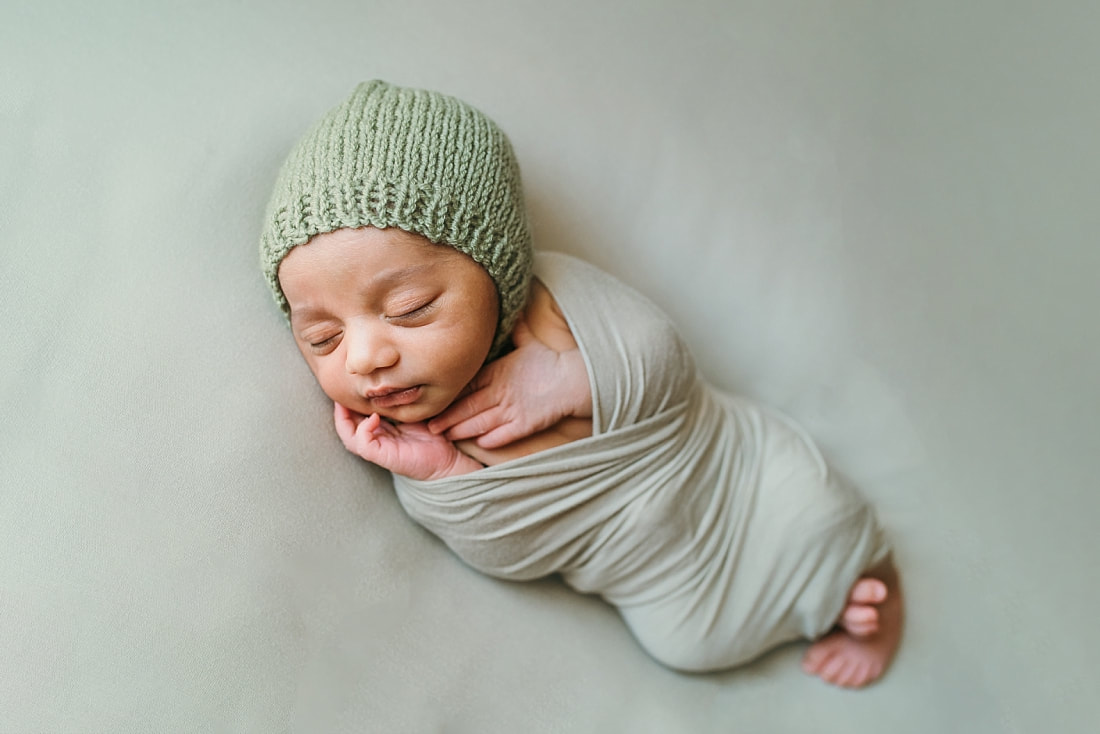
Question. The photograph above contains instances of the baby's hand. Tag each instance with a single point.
(409, 449)
(520, 394)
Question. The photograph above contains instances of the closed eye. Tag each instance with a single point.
(322, 346)
(416, 313)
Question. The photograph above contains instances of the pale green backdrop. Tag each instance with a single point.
(881, 217)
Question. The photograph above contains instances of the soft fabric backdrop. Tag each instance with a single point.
(880, 217)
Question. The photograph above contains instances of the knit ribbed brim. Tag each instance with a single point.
(421, 161)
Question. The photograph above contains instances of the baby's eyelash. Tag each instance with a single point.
(418, 311)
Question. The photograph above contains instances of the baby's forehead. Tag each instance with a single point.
(366, 245)
(369, 235)
(367, 262)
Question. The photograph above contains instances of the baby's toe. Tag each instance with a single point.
(858, 675)
(818, 655)
(862, 631)
(834, 668)
(868, 591)
(860, 621)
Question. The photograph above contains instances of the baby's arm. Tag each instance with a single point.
(409, 449)
(543, 381)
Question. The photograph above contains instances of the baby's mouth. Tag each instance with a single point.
(393, 397)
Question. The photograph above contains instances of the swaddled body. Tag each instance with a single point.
(397, 246)
(711, 523)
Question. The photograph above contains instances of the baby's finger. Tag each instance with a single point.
(462, 410)
(372, 436)
(368, 426)
(501, 435)
(476, 426)
(508, 430)
(345, 424)
(343, 413)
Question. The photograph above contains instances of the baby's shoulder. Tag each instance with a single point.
(546, 321)
(629, 341)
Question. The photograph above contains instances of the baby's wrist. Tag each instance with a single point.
(460, 464)
(578, 389)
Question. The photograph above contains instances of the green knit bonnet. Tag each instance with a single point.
(421, 161)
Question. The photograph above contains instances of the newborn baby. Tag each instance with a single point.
(541, 417)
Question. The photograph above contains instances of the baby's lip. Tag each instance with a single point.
(391, 397)
(382, 392)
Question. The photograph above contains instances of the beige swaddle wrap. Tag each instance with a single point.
(711, 523)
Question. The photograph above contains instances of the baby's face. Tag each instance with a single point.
(389, 322)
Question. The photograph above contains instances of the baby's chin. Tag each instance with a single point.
(405, 416)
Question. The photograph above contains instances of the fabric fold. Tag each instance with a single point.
(713, 524)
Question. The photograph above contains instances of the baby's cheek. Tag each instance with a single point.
(464, 358)
(336, 388)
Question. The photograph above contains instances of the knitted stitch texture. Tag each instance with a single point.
(424, 162)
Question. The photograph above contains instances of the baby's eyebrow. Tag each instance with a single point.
(399, 276)
(307, 313)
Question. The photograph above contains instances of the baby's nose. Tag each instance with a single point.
(368, 349)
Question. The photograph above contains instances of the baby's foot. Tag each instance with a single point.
(869, 631)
